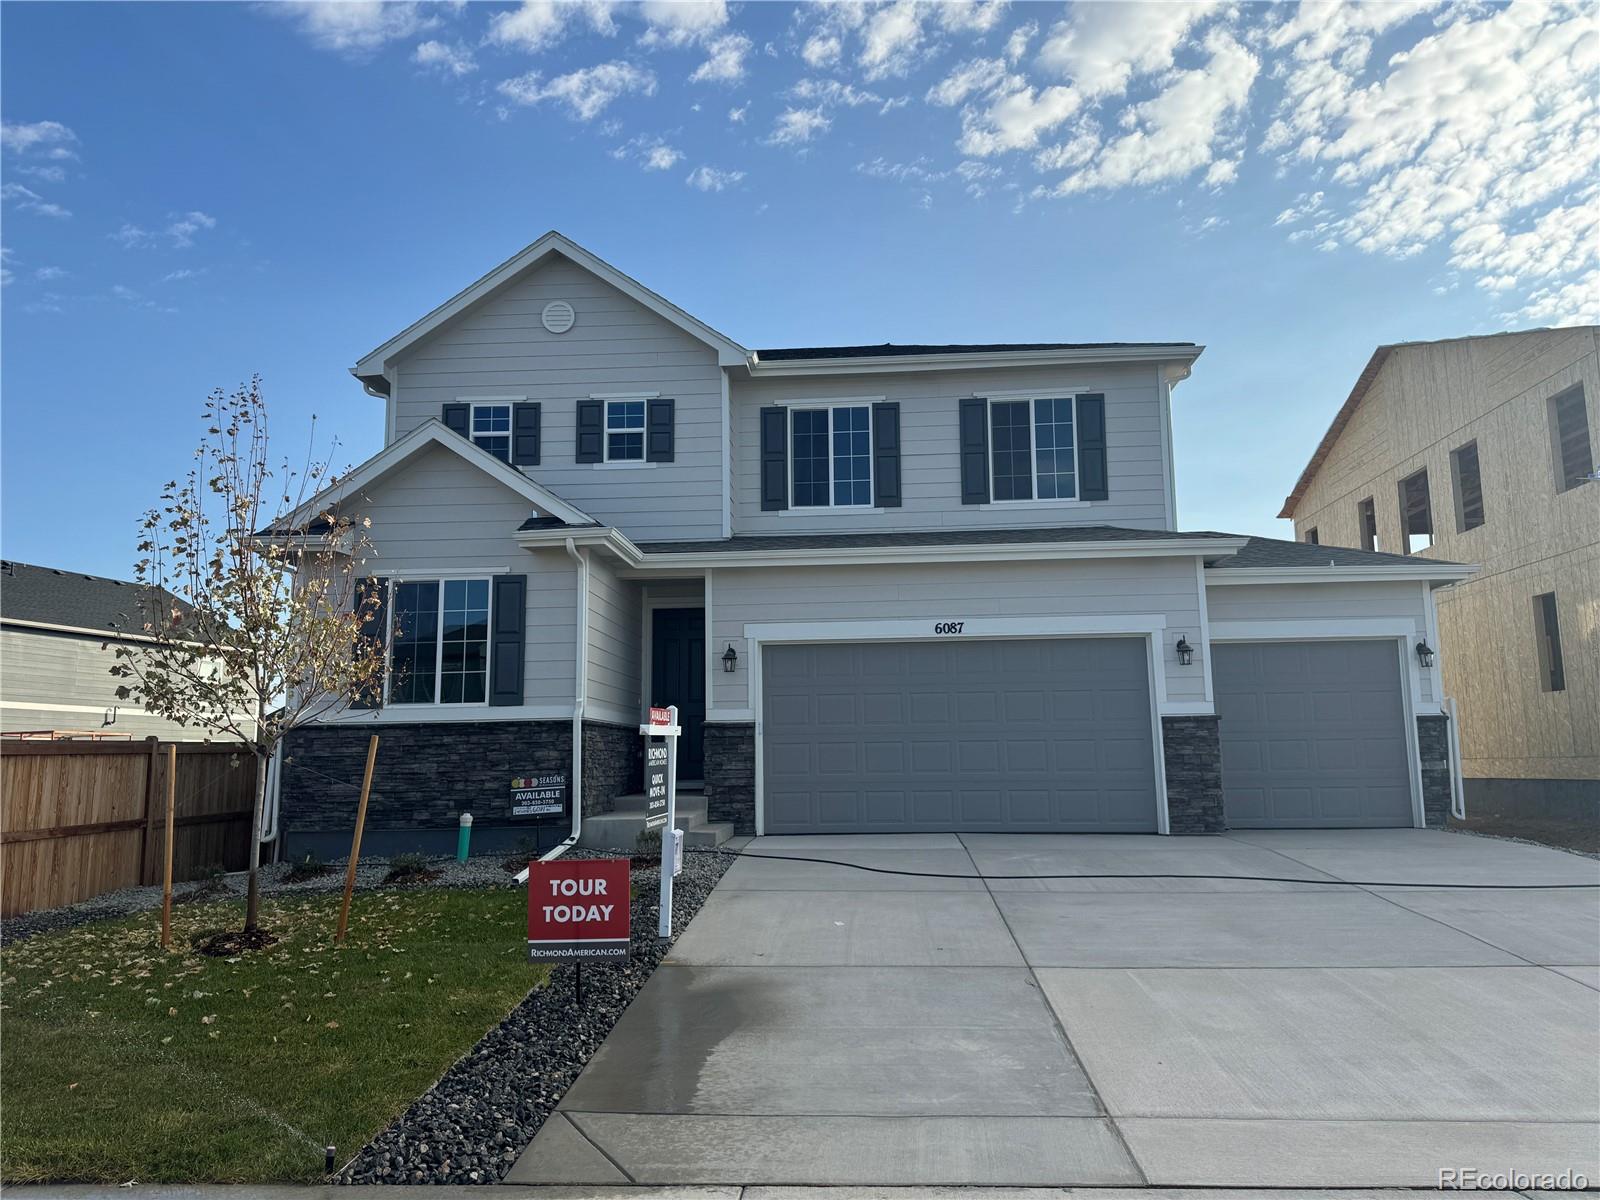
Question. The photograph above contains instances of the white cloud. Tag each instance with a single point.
(798, 125)
(651, 153)
(23, 137)
(537, 25)
(1481, 137)
(892, 39)
(681, 22)
(586, 92)
(737, 115)
(724, 60)
(831, 92)
(48, 174)
(181, 274)
(920, 170)
(455, 60)
(1015, 119)
(1179, 130)
(29, 200)
(1017, 43)
(970, 16)
(356, 28)
(1101, 47)
(976, 75)
(46, 274)
(179, 231)
(711, 179)
(822, 50)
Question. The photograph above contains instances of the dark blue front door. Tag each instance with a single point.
(678, 676)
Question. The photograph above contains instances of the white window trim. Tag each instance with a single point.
(605, 431)
(830, 407)
(438, 649)
(472, 422)
(1033, 398)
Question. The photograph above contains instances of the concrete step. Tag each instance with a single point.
(712, 835)
(620, 828)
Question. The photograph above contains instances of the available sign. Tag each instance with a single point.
(539, 796)
(655, 785)
(577, 909)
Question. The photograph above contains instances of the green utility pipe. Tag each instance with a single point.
(464, 837)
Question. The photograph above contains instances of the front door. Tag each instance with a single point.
(678, 676)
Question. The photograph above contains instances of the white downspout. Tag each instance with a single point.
(1458, 786)
(579, 695)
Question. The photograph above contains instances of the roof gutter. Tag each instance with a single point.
(966, 362)
(1437, 574)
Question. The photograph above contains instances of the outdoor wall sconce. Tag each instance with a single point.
(1425, 654)
(1185, 651)
(730, 659)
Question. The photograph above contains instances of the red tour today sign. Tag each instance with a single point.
(577, 909)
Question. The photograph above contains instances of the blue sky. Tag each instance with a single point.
(194, 193)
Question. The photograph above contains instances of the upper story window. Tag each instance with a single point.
(1367, 518)
(1467, 485)
(831, 456)
(1416, 513)
(1311, 536)
(624, 431)
(439, 649)
(1569, 437)
(1033, 450)
(491, 429)
(1547, 630)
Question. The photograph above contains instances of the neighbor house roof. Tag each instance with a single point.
(70, 599)
(370, 370)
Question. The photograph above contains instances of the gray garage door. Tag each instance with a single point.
(923, 737)
(1313, 734)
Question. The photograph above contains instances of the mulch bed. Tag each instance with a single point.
(473, 1125)
(232, 943)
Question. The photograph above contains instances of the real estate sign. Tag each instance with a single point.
(578, 909)
(655, 785)
(539, 795)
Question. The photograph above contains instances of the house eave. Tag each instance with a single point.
(783, 368)
(1436, 574)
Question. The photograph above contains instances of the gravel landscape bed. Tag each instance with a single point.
(473, 1124)
(478, 872)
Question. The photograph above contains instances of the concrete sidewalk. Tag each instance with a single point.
(817, 1025)
(714, 1192)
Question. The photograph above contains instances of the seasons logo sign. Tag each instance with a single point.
(577, 909)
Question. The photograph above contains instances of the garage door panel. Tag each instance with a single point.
(1313, 734)
(1026, 735)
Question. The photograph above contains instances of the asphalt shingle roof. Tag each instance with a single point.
(55, 597)
(1274, 552)
(935, 537)
(891, 349)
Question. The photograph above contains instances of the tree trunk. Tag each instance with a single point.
(252, 903)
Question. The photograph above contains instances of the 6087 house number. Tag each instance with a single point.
(943, 627)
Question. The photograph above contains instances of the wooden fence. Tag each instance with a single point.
(81, 818)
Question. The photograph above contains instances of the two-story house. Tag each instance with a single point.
(1484, 449)
(891, 588)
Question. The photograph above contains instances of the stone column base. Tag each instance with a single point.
(731, 774)
(1192, 749)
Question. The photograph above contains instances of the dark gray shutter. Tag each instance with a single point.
(458, 419)
(1092, 480)
(774, 458)
(658, 438)
(374, 628)
(505, 639)
(886, 455)
(591, 431)
(975, 451)
(525, 435)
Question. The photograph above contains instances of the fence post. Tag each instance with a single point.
(147, 859)
(355, 843)
(166, 878)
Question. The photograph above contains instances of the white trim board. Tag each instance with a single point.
(1150, 627)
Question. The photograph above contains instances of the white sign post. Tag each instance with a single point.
(661, 800)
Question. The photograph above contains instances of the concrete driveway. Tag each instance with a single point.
(822, 1025)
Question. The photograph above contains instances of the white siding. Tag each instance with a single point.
(439, 514)
(1336, 604)
(60, 681)
(930, 467)
(1167, 587)
(614, 626)
(500, 348)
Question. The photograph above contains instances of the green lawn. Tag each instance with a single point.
(120, 1061)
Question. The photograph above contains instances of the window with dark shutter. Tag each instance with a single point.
(1367, 518)
(1416, 516)
(774, 458)
(1467, 484)
(506, 639)
(1569, 434)
(974, 451)
(1547, 629)
(659, 437)
(886, 454)
(525, 435)
(372, 593)
(591, 417)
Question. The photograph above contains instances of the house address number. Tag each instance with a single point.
(948, 626)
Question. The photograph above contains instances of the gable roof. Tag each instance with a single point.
(1273, 553)
(370, 370)
(72, 600)
(428, 434)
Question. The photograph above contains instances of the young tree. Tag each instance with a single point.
(254, 617)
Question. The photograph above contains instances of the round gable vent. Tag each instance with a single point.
(558, 316)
